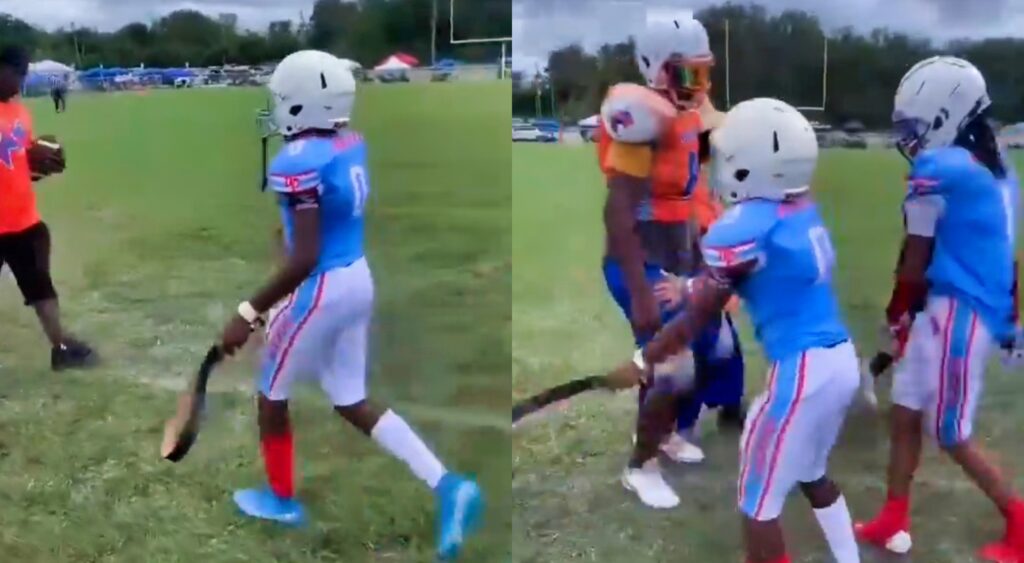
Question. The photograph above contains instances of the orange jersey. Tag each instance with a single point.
(704, 207)
(672, 163)
(17, 199)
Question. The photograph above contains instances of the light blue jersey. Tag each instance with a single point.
(789, 294)
(974, 232)
(329, 172)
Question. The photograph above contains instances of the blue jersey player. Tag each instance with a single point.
(772, 249)
(320, 302)
(955, 290)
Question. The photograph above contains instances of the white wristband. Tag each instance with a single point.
(248, 312)
(638, 359)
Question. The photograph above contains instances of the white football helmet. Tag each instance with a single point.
(312, 90)
(764, 149)
(675, 56)
(935, 100)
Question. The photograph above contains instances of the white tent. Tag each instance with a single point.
(49, 67)
(393, 63)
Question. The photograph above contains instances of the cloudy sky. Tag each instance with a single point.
(539, 26)
(109, 15)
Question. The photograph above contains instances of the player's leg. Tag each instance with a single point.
(960, 388)
(824, 415)
(28, 256)
(772, 457)
(295, 334)
(655, 422)
(459, 500)
(277, 448)
(677, 446)
(914, 387)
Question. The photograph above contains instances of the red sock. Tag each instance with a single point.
(278, 459)
(1014, 510)
(897, 506)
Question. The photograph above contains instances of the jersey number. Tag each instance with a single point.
(359, 190)
(824, 255)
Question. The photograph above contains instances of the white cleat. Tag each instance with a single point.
(867, 388)
(681, 450)
(900, 543)
(649, 484)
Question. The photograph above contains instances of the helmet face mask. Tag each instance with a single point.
(910, 136)
(686, 82)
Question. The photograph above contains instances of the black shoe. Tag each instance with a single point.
(732, 417)
(72, 354)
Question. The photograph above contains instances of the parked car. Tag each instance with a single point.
(531, 134)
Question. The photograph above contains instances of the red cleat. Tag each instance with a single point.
(1010, 549)
(1000, 552)
(890, 530)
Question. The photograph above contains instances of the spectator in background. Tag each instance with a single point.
(24, 237)
(59, 92)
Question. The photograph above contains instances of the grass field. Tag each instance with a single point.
(159, 230)
(569, 505)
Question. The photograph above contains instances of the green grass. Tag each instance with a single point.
(159, 229)
(569, 505)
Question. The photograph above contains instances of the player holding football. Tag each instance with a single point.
(321, 330)
(773, 251)
(24, 236)
(650, 151)
(958, 260)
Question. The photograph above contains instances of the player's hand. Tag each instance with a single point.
(44, 160)
(626, 376)
(895, 335)
(670, 291)
(646, 317)
(236, 334)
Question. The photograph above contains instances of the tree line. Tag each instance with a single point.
(781, 56)
(364, 30)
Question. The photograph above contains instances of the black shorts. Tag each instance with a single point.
(27, 254)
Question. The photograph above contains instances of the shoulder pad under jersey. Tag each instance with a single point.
(737, 235)
(938, 171)
(635, 114)
(298, 166)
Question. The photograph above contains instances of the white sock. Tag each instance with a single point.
(395, 436)
(837, 525)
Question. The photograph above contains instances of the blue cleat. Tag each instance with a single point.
(460, 505)
(262, 503)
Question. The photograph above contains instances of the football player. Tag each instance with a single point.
(24, 236)
(650, 152)
(957, 259)
(320, 179)
(773, 251)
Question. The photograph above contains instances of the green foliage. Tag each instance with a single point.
(364, 30)
(781, 56)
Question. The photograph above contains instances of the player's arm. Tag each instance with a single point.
(732, 250)
(708, 295)
(625, 193)
(304, 208)
(921, 214)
